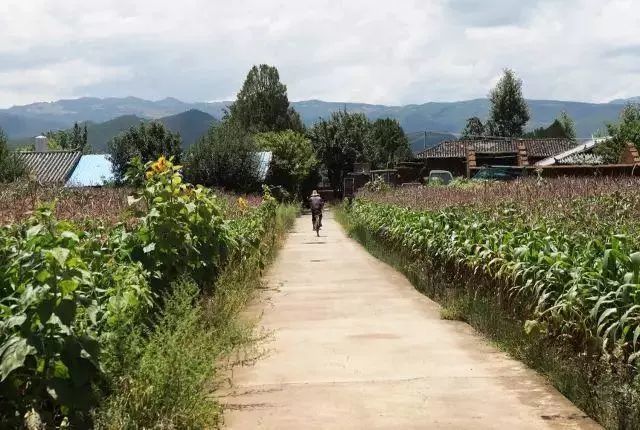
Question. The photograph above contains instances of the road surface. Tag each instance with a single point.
(354, 346)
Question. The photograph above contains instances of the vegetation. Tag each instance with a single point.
(293, 159)
(93, 316)
(225, 157)
(473, 129)
(509, 111)
(386, 143)
(560, 257)
(75, 139)
(146, 142)
(562, 128)
(627, 130)
(11, 167)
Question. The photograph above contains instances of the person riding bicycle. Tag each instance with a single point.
(316, 203)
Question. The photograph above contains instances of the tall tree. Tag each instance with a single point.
(473, 128)
(147, 142)
(11, 166)
(568, 125)
(262, 104)
(293, 158)
(386, 143)
(225, 157)
(340, 142)
(509, 110)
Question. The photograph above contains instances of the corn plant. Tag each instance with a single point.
(576, 277)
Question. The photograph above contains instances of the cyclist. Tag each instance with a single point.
(316, 203)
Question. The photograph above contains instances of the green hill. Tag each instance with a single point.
(99, 135)
(191, 125)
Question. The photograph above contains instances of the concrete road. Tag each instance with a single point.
(354, 346)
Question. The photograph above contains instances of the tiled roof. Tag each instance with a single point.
(547, 147)
(448, 149)
(535, 147)
(93, 170)
(51, 166)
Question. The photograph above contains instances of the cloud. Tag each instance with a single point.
(407, 51)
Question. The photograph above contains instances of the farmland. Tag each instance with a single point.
(118, 304)
(548, 269)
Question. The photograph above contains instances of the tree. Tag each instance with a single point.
(147, 142)
(473, 128)
(58, 139)
(561, 128)
(11, 166)
(293, 158)
(568, 125)
(73, 140)
(622, 132)
(225, 157)
(509, 110)
(340, 142)
(386, 143)
(262, 104)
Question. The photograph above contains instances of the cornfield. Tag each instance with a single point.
(563, 253)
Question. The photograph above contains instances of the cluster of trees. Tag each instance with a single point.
(11, 166)
(509, 115)
(346, 138)
(261, 119)
(72, 140)
(627, 130)
(561, 127)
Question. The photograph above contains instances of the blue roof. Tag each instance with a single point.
(93, 170)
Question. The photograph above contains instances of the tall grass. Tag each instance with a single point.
(172, 383)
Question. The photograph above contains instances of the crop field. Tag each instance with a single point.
(105, 293)
(561, 256)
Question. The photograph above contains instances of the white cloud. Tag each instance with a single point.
(407, 51)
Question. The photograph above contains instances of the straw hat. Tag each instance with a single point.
(315, 194)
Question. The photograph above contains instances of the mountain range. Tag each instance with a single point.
(109, 115)
(191, 125)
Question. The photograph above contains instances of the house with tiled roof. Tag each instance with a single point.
(461, 156)
(50, 167)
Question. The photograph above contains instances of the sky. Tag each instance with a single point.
(373, 51)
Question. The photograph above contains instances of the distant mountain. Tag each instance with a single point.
(192, 125)
(449, 117)
(625, 101)
(99, 135)
(18, 126)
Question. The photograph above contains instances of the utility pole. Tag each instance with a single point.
(425, 139)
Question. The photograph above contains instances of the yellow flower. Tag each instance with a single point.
(242, 203)
(149, 174)
(160, 165)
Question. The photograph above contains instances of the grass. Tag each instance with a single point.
(172, 380)
(607, 396)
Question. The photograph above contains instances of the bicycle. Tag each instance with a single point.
(316, 225)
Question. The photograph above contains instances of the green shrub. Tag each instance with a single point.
(91, 313)
(55, 306)
(183, 230)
